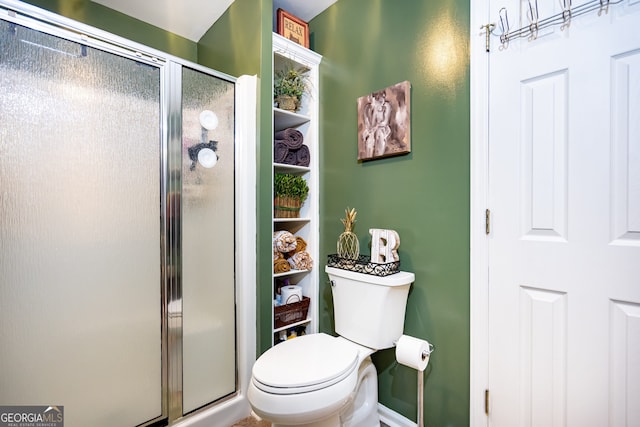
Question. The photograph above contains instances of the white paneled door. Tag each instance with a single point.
(564, 195)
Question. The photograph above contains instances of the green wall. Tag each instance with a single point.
(235, 44)
(240, 43)
(368, 45)
(106, 19)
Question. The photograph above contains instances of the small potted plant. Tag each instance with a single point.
(289, 191)
(288, 87)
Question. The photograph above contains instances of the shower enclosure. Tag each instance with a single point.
(118, 236)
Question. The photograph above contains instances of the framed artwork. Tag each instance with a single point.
(384, 122)
(293, 28)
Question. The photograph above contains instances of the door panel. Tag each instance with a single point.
(543, 350)
(544, 160)
(623, 354)
(625, 182)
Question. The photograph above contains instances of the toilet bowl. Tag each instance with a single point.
(309, 380)
(318, 380)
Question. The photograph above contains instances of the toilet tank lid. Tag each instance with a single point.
(400, 278)
(305, 361)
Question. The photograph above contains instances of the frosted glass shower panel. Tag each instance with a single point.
(80, 324)
(208, 239)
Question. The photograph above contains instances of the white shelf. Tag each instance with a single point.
(307, 227)
(283, 119)
(292, 325)
(292, 220)
(284, 168)
(291, 273)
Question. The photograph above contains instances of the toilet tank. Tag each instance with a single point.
(368, 309)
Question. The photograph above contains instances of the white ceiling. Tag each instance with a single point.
(192, 18)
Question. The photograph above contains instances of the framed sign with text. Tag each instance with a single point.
(293, 28)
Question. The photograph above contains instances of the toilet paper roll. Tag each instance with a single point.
(290, 294)
(413, 352)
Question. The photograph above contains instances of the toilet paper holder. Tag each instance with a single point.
(425, 354)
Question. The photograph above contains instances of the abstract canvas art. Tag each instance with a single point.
(384, 127)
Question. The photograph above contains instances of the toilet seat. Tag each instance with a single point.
(305, 364)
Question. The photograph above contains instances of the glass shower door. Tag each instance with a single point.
(80, 273)
(208, 239)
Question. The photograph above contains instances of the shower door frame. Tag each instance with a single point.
(235, 406)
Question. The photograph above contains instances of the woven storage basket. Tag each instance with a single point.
(287, 314)
(286, 207)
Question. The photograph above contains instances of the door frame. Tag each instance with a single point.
(479, 189)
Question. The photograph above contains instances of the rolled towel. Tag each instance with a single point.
(280, 151)
(303, 157)
(301, 261)
(281, 265)
(291, 158)
(301, 245)
(284, 241)
(293, 138)
(277, 254)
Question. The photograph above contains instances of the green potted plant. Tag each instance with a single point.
(289, 191)
(288, 87)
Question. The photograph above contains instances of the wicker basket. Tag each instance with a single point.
(287, 314)
(286, 207)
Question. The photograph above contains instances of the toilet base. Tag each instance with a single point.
(363, 410)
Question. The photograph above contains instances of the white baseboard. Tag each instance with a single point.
(392, 418)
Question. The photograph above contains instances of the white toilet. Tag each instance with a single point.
(318, 380)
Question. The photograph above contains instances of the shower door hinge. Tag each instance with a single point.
(486, 402)
(487, 221)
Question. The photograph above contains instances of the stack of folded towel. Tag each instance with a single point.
(289, 148)
(289, 253)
